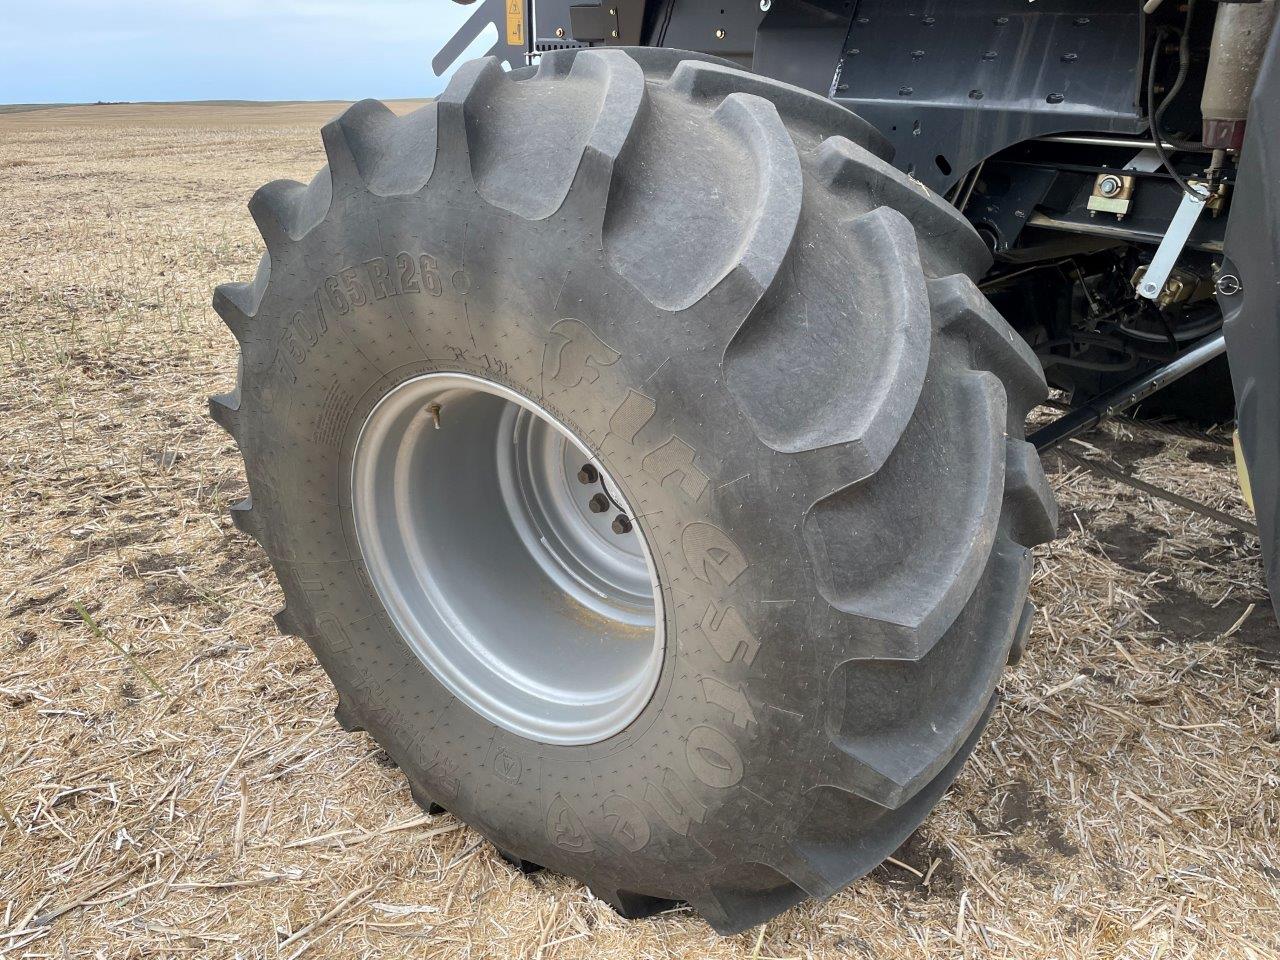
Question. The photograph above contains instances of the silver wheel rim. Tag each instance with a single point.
(480, 538)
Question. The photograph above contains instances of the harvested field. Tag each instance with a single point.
(172, 782)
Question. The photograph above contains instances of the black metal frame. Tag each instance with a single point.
(1088, 415)
(951, 84)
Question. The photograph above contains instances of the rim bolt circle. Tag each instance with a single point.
(599, 503)
(621, 524)
(588, 473)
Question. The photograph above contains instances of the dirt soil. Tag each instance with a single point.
(172, 781)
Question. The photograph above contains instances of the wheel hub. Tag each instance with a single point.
(507, 558)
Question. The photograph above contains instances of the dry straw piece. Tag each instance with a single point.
(172, 782)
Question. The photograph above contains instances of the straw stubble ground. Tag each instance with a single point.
(172, 780)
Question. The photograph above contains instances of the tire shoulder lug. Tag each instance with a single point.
(224, 409)
(423, 799)
(521, 865)
(245, 518)
(287, 622)
(347, 718)
(1019, 645)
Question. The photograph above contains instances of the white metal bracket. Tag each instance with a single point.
(1175, 238)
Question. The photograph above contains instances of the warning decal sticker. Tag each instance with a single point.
(515, 23)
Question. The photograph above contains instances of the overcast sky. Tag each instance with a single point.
(77, 51)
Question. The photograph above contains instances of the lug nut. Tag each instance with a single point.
(599, 503)
(621, 524)
(588, 473)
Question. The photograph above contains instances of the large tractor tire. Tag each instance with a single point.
(640, 461)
